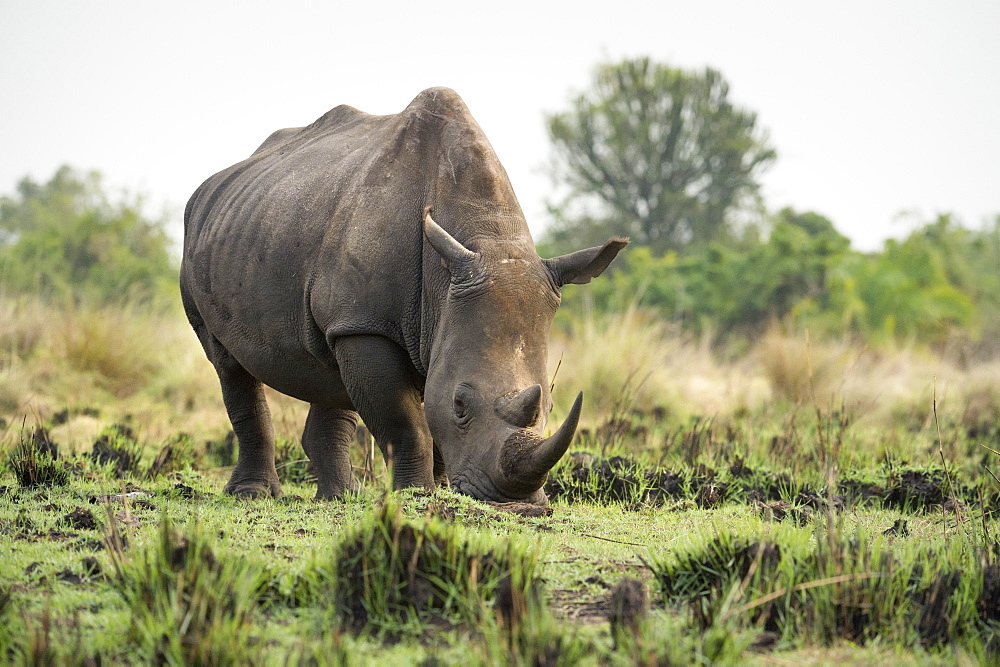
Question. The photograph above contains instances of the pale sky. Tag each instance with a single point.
(875, 108)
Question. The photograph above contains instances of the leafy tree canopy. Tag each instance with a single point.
(67, 239)
(658, 153)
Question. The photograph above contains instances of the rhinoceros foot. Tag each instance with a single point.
(254, 490)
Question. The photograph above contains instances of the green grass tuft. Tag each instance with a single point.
(836, 589)
(188, 605)
(392, 573)
(34, 463)
(118, 448)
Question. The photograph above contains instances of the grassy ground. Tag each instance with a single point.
(807, 502)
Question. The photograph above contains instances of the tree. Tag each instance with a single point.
(66, 238)
(662, 152)
(731, 290)
(939, 283)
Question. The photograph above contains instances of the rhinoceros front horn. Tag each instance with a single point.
(526, 459)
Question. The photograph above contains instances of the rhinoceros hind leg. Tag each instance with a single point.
(380, 380)
(254, 475)
(327, 442)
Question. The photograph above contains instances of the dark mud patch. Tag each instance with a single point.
(579, 607)
(81, 519)
(63, 416)
(51, 535)
(781, 510)
(898, 529)
(934, 623)
(188, 493)
(88, 545)
(585, 477)
(989, 601)
(70, 577)
(119, 448)
(917, 488)
(619, 479)
(628, 606)
(908, 490)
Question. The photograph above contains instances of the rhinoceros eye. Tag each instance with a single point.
(463, 402)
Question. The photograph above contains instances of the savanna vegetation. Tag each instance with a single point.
(786, 452)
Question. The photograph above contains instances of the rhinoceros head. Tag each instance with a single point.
(487, 395)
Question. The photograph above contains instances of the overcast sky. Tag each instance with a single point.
(875, 108)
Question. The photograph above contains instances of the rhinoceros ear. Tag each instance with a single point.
(580, 266)
(453, 253)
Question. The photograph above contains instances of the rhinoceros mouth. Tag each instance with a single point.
(521, 466)
(478, 485)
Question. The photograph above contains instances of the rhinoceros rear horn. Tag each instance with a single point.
(452, 252)
(526, 459)
(521, 409)
(580, 266)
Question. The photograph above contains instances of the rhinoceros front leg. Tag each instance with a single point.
(440, 471)
(380, 381)
(327, 442)
(254, 475)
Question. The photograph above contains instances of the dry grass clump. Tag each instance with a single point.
(896, 385)
(118, 345)
(902, 387)
(636, 361)
(614, 358)
(799, 370)
(23, 322)
(977, 404)
(115, 360)
(115, 348)
(633, 362)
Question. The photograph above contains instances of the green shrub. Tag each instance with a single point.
(938, 285)
(66, 239)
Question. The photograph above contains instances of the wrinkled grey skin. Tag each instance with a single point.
(381, 266)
